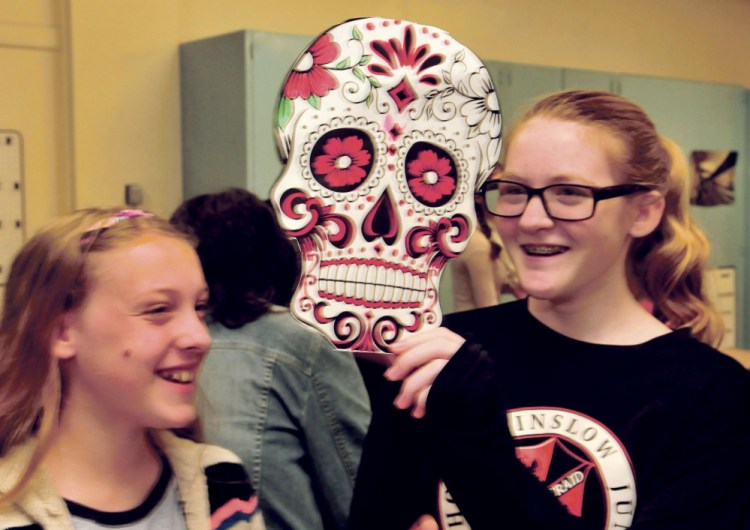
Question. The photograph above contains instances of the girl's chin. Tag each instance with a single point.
(538, 288)
(546, 294)
(184, 419)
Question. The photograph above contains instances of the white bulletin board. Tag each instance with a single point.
(721, 289)
(12, 222)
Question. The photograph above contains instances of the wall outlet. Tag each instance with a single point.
(133, 195)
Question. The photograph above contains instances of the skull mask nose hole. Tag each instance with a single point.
(381, 220)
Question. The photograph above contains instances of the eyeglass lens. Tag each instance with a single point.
(561, 201)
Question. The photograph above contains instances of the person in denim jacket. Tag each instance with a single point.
(277, 393)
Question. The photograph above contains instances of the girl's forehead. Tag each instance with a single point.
(142, 245)
(143, 260)
(544, 132)
(558, 125)
(556, 149)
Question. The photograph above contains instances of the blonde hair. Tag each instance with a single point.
(676, 286)
(668, 265)
(48, 279)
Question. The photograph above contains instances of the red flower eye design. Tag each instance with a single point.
(431, 174)
(342, 159)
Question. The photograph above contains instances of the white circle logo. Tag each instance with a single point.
(582, 463)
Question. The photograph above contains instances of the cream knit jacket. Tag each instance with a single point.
(41, 504)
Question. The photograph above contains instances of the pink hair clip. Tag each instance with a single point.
(92, 232)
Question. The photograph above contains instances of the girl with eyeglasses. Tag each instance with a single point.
(575, 408)
(483, 274)
(101, 340)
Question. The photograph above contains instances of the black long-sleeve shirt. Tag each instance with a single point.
(530, 429)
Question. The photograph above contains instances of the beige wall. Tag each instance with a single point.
(691, 39)
(119, 122)
(32, 101)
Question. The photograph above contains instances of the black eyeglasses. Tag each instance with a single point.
(564, 202)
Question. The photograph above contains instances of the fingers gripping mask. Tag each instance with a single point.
(386, 128)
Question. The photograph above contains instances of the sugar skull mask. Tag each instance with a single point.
(386, 128)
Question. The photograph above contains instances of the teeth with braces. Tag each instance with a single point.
(543, 249)
(371, 285)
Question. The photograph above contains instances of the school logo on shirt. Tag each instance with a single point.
(581, 462)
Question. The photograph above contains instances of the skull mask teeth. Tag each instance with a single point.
(386, 128)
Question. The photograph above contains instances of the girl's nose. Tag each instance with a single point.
(535, 215)
(194, 335)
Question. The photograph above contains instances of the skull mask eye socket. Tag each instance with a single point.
(431, 174)
(342, 159)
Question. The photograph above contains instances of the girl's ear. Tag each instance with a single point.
(63, 346)
(649, 211)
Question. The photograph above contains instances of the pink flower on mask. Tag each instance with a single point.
(342, 163)
(430, 177)
(309, 77)
(405, 53)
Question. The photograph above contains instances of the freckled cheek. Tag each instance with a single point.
(133, 357)
(506, 228)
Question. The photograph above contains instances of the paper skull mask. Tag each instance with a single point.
(386, 128)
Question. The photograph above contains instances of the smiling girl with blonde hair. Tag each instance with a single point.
(101, 338)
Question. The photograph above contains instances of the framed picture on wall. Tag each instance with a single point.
(712, 177)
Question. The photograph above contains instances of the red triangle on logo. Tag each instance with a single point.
(569, 489)
(537, 457)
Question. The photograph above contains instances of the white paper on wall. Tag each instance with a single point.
(721, 289)
(11, 199)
